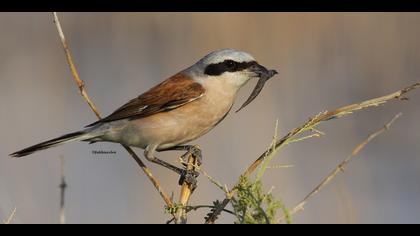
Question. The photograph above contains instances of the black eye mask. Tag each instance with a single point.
(261, 82)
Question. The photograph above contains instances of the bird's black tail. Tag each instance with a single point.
(76, 136)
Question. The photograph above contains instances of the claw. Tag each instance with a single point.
(196, 152)
(189, 177)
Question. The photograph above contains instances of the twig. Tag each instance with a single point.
(194, 208)
(279, 166)
(63, 187)
(341, 166)
(10, 218)
(328, 115)
(186, 191)
(310, 125)
(149, 174)
(92, 106)
(80, 83)
(213, 181)
(267, 159)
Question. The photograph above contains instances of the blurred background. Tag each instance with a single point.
(325, 61)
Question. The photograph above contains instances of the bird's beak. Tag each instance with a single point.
(264, 75)
(262, 72)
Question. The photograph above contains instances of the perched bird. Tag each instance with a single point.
(174, 112)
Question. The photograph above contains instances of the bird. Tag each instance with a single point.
(178, 110)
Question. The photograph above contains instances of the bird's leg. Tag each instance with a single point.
(164, 164)
(191, 150)
(186, 175)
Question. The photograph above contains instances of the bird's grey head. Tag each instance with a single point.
(225, 55)
(229, 64)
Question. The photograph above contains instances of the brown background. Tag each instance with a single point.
(325, 61)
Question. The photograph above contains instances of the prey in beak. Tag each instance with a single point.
(264, 75)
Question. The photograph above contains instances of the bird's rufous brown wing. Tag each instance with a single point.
(174, 92)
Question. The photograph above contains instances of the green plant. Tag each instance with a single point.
(252, 206)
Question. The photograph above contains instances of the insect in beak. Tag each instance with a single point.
(264, 75)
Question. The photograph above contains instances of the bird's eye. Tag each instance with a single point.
(231, 65)
(222, 67)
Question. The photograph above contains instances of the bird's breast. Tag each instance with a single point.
(185, 123)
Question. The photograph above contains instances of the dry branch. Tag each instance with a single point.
(63, 187)
(328, 115)
(80, 83)
(310, 126)
(10, 218)
(92, 106)
(186, 191)
(341, 166)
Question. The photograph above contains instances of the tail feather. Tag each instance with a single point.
(51, 143)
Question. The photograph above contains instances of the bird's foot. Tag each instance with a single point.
(189, 177)
(195, 151)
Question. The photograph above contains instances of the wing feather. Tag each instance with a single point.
(170, 94)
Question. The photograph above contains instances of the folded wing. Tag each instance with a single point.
(170, 94)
